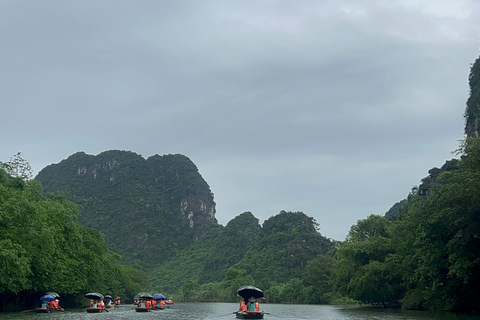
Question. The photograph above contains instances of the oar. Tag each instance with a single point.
(223, 315)
(28, 310)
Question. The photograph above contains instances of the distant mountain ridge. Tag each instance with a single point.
(147, 208)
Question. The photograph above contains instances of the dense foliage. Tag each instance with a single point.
(43, 248)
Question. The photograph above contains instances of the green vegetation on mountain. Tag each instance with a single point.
(270, 255)
(472, 111)
(146, 208)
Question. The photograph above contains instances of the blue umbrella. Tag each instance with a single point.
(47, 297)
(159, 296)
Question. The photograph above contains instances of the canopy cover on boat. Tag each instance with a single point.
(249, 291)
(108, 297)
(159, 296)
(94, 295)
(47, 297)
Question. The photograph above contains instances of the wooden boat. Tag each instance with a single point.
(95, 310)
(250, 294)
(142, 309)
(249, 314)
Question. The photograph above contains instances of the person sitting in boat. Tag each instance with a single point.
(162, 304)
(101, 305)
(243, 306)
(154, 304)
(109, 303)
(44, 305)
(148, 304)
(56, 304)
(93, 304)
(51, 305)
(251, 304)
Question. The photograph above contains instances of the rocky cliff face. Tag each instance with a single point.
(472, 111)
(147, 208)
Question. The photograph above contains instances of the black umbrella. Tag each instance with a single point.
(249, 291)
(145, 295)
(108, 297)
(94, 296)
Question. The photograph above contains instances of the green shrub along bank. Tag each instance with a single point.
(43, 248)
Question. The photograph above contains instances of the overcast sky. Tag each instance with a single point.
(333, 108)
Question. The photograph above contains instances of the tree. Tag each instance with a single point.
(365, 269)
(317, 279)
(18, 167)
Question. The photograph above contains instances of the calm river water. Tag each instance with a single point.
(224, 311)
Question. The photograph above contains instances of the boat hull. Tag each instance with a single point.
(47, 310)
(137, 309)
(95, 310)
(249, 315)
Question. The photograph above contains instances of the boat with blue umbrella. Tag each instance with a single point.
(45, 299)
(159, 301)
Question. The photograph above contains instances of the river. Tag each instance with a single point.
(224, 311)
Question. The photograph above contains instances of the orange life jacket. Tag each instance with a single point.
(243, 306)
(257, 308)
